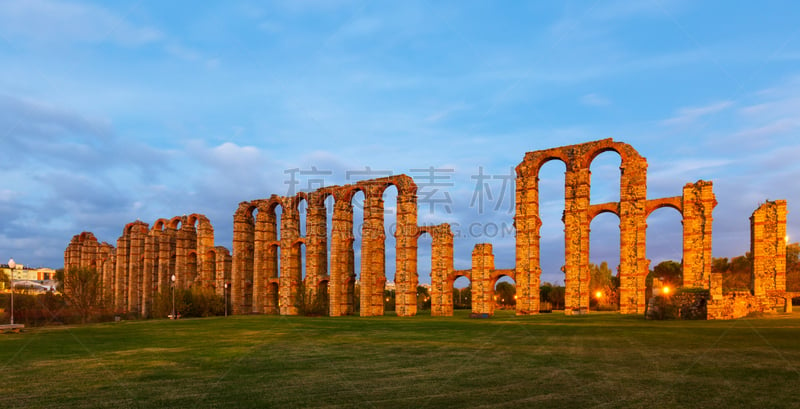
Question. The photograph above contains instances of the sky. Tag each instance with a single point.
(116, 111)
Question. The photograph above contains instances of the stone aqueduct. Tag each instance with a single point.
(265, 267)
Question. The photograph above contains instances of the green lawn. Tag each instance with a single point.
(601, 360)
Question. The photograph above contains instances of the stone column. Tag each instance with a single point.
(205, 242)
(265, 224)
(316, 243)
(441, 270)
(107, 290)
(341, 244)
(698, 204)
(120, 290)
(166, 247)
(633, 266)
(271, 272)
(242, 266)
(137, 234)
(148, 274)
(768, 248)
(482, 268)
(576, 236)
(406, 276)
(290, 257)
(527, 224)
(373, 253)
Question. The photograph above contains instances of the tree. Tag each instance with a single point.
(423, 298)
(739, 274)
(505, 293)
(82, 290)
(793, 267)
(462, 297)
(602, 281)
(669, 272)
(552, 294)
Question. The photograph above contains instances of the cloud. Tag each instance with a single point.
(57, 22)
(689, 115)
(595, 100)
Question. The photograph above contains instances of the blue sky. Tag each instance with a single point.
(117, 111)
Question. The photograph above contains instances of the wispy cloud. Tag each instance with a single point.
(59, 22)
(595, 100)
(689, 115)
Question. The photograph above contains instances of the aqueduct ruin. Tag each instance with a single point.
(146, 259)
(265, 268)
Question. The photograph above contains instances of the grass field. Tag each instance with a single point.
(600, 360)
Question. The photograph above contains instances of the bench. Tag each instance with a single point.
(15, 328)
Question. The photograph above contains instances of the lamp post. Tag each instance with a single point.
(225, 295)
(173, 297)
(12, 265)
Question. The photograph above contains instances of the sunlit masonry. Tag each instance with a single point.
(265, 267)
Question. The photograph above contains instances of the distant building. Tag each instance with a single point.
(34, 278)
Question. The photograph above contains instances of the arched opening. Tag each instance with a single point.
(210, 267)
(505, 293)
(191, 269)
(302, 213)
(390, 248)
(273, 298)
(664, 248)
(462, 293)
(605, 177)
(604, 259)
(322, 300)
(424, 260)
(300, 250)
(329, 202)
(353, 284)
(552, 242)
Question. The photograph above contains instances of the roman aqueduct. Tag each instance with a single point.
(265, 270)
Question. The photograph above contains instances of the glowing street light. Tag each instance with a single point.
(224, 293)
(598, 295)
(173, 297)
(12, 265)
(665, 290)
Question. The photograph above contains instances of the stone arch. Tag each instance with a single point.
(266, 233)
(528, 223)
(210, 267)
(192, 261)
(495, 278)
(243, 255)
(670, 202)
(652, 206)
(464, 299)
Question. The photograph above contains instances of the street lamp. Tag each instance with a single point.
(173, 297)
(225, 295)
(12, 265)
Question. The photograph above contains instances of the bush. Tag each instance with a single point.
(661, 308)
(316, 304)
(39, 309)
(192, 302)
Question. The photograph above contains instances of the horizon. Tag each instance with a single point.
(112, 113)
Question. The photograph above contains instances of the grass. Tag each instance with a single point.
(600, 360)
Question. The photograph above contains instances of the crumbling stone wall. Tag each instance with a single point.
(698, 204)
(482, 283)
(265, 266)
(768, 247)
(255, 245)
(577, 217)
(632, 210)
(442, 270)
(145, 259)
